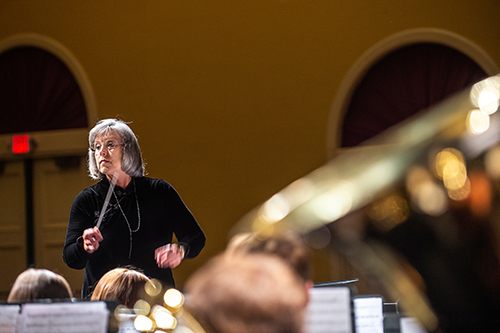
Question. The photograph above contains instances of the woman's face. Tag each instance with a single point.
(108, 153)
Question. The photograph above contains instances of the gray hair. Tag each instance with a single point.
(132, 163)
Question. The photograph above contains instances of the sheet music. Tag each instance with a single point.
(411, 325)
(9, 315)
(369, 314)
(81, 317)
(329, 310)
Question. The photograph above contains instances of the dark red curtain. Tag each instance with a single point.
(402, 83)
(38, 93)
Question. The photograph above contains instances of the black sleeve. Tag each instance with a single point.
(185, 227)
(80, 218)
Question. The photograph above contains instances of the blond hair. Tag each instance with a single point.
(124, 285)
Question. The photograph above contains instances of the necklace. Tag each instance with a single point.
(130, 231)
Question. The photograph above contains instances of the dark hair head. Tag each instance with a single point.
(36, 283)
(132, 163)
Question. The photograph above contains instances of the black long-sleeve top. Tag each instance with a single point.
(162, 213)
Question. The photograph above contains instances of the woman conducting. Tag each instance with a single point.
(141, 216)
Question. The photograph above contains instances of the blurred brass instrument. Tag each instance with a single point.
(413, 209)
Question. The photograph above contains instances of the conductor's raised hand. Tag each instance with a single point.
(169, 256)
(91, 238)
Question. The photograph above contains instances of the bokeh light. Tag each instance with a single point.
(153, 317)
(449, 165)
(153, 287)
(143, 323)
(173, 298)
(447, 156)
(425, 194)
(142, 307)
(122, 313)
(488, 101)
(481, 194)
(454, 176)
(485, 95)
(477, 122)
(163, 318)
(461, 193)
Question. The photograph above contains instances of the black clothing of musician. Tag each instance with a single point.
(162, 213)
(127, 219)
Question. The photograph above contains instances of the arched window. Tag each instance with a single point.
(38, 93)
(402, 83)
(402, 74)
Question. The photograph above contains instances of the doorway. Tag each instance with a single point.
(45, 95)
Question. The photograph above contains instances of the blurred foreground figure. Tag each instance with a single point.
(124, 285)
(34, 284)
(288, 246)
(247, 293)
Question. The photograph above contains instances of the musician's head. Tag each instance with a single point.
(116, 140)
(34, 284)
(287, 245)
(247, 293)
(125, 285)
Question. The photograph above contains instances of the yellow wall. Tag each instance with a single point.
(231, 99)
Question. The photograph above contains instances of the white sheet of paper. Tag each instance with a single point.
(369, 314)
(9, 315)
(80, 317)
(411, 325)
(329, 310)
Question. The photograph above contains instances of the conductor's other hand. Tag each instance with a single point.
(169, 256)
(91, 239)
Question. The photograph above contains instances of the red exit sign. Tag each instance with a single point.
(21, 144)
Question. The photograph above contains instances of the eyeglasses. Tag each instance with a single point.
(110, 145)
